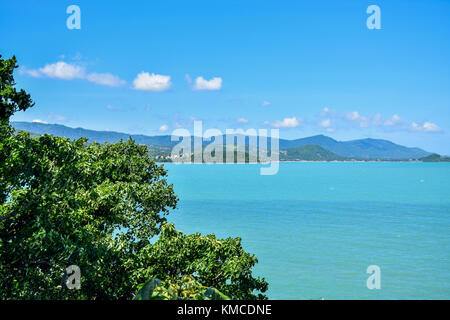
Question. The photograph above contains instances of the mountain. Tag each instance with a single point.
(357, 149)
(99, 136)
(309, 153)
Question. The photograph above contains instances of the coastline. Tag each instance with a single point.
(310, 161)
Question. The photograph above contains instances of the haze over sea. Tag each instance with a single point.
(316, 227)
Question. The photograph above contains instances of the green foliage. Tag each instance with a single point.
(186, 288)
(219, 263)
(11, 100)
(94, 206)
(148, 291)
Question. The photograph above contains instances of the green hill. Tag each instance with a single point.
(435, 158)
(309, 153)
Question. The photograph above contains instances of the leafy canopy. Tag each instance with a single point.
(75, 204)
(219, 263)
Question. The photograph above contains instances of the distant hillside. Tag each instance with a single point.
(357, 149)
(435, 158)
(360, 149)
(99, 136)
(309, 153)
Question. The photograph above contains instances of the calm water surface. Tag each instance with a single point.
(316, 227)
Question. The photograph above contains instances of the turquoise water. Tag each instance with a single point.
(316, 227)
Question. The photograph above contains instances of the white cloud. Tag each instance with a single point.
(355, 116)
(30, 72)
(287, 123)
(39, 121)
(62, 70)
(429, 126)
(426, 127)
(325, 123)
(164, 128)
(151, 82)
(266, 103)
(106, 79)
(213, 84)
(110, 107)
(242, 120)
(377, 120)
(393, 121)
(67, 71)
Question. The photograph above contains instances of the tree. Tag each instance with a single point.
(98, 207)
(11, 100)
(94, 206)
(219, 263)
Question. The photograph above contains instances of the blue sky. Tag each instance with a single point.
(305, 67)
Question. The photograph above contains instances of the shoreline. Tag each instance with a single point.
(311, 161)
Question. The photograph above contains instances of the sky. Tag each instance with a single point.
(303, 67)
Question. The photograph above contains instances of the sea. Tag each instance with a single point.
(319, 229)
